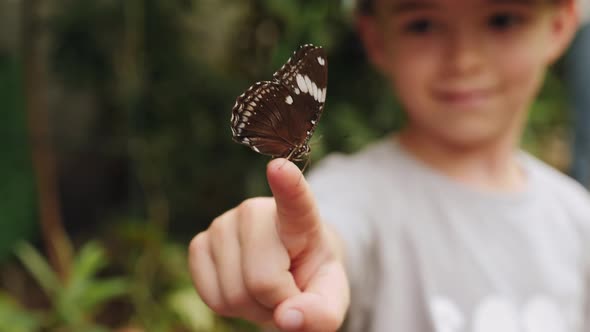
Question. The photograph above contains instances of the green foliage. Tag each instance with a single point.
(161, 291)
(157, 286)
(191, 310)
(76, 301)
(17, 196)
(548, 117)
(14, 318)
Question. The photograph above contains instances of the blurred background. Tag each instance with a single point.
(116, 147)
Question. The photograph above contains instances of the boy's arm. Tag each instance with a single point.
(273, 259)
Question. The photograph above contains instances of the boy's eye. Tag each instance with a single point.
(503, 21)
(419, 26)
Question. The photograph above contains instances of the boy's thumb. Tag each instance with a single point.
(297, 213)
(321, 307)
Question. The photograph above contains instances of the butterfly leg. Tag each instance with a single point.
(291, 154)
(307, 162)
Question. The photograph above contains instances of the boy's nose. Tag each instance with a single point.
(465, 53)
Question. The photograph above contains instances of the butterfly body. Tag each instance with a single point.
(278, 117)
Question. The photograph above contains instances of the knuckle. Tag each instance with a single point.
(237, 300)
(198, 244)
(307, 226)
(216, 304)
(198, 249)
(259, 280)
(251, 206)
(261, 285)
(218, 227)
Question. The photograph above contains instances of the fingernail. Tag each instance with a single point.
(292, 320)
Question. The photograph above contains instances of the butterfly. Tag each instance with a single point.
(278, 117)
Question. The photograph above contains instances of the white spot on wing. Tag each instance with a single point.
(289, 100)
(314, 90)
(321, 61)
(297, 91)
(308, 84)
(301, 83)
(255, 149)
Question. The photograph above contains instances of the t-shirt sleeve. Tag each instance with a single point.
(582, 208)
(586, 227)
(343, 193)
(573, 202)
(587, 290)
(587, 319)
(579, 206)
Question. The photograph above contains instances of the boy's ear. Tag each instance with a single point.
(370, 35)
(564, 24)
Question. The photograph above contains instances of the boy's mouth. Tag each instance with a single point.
(464, 97)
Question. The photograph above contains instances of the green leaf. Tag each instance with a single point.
(191, 310)
(16, 319)
(88, 262)
(100, 292)
(84, 293)
(39, 268)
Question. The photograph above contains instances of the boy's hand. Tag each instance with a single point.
(273, 259)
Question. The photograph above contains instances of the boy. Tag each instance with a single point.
(445, 226)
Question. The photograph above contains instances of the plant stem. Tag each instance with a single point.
(57, 243)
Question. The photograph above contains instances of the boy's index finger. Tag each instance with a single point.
(297, 212)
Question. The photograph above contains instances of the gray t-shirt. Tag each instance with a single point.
(425, 253)
(584, 11)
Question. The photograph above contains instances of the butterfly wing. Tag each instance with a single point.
(278, 117)
(263, 119)
(306, 75)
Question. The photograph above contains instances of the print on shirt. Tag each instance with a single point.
(496, 313)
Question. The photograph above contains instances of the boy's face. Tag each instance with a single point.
(467, 70)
